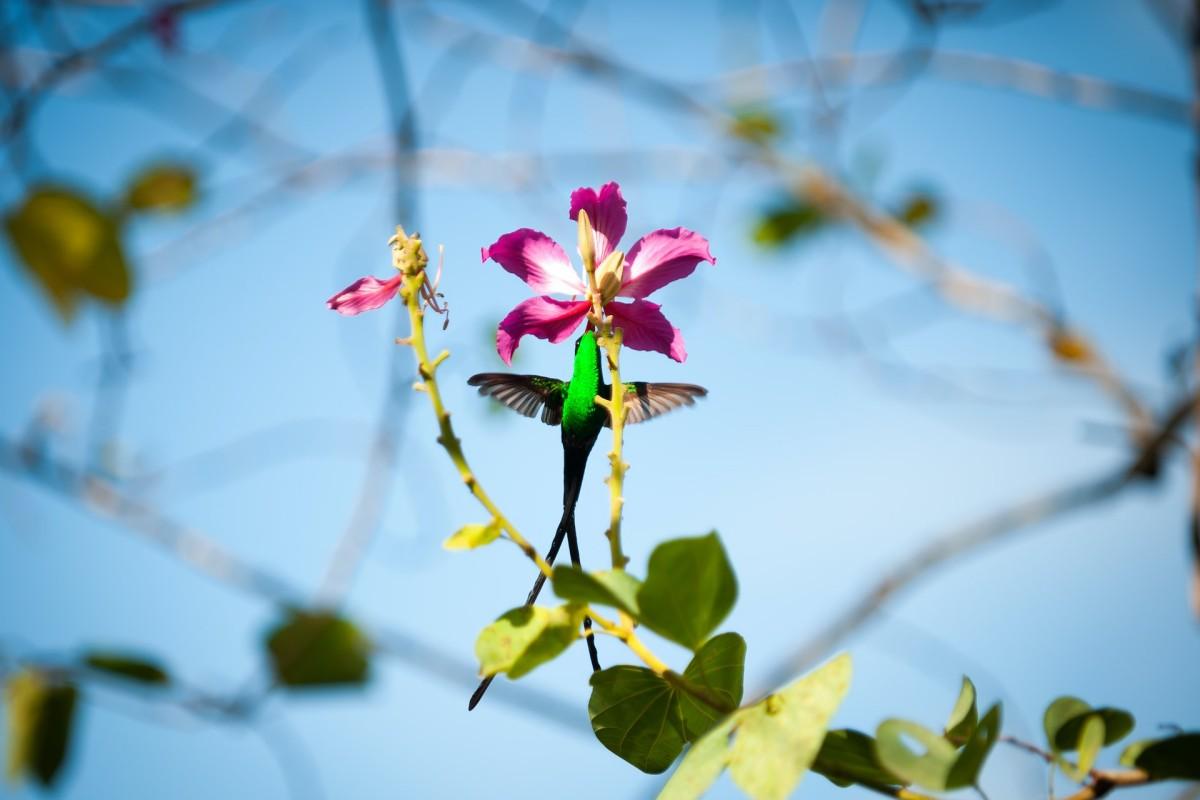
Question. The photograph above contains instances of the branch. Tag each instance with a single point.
(85, 58)
(973, 536)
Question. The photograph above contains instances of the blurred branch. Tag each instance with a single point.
(105, 499)
(961, 288)
(881, 69)
(373, 496)
(85, 58)
(975, 535)
(1100, 781)
(206, 556)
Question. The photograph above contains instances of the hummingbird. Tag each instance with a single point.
(570, 405)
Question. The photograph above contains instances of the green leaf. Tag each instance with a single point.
(1061, 711)
(162, 187)
(468, 537)
(702, 764)
(635, 714)
(1173, 758)
(717, 669)
(783, 223)
(965, 771)
(318, 648)
(965, 715)
(615, 588)
(41, 713)
(1091, 739)
(848, 757)
(1117, 725)
(128, 667)
(929, 768)
(526, 637)
(689, 589)
(632, 724)
(778, 738)
(70, 247)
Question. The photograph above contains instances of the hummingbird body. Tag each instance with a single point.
(571, 405)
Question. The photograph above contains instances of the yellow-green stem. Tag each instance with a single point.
(410, 290)
(610, 340)
(626, 634)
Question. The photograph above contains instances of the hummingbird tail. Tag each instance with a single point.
(574, 463)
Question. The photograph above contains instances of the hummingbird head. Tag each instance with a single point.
(588, 336)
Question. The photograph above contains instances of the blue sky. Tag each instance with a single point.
(818, 470)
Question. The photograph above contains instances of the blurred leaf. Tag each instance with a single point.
(635, 714)
(126, 666)
(701, 766)
(1173, 758)
(778, 738)
(468, 537)
(527, 637)
(965, 771)
(717, 669)
(848, 757)
(615, 588)
(162, 187)
(1091, 739)
(919, 208)
(930, 768)
(689, 589)
(1061, 711)
(1117, 725)
(70, 247)
(965, 716)
(756, 125)
(41, 713)
(790, 220)
(316, 648)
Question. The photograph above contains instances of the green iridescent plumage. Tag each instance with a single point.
(571, 405)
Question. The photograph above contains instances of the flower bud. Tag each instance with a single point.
(587, 246)
(609, 275)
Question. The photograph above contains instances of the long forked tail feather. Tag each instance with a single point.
(574, 463)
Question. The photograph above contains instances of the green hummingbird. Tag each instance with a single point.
(571, 406)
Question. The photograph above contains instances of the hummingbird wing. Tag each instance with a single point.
(525, 394)
(645, 401)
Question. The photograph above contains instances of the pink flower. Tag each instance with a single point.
(365, 294)
(655, 260)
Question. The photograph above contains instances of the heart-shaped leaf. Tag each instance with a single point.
(689, 589)
(635, 714)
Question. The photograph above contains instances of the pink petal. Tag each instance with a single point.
(543, 317)
(647, 329)
(606, 211)
(536, 259)
(365, 294)
(661, 257)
